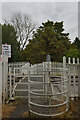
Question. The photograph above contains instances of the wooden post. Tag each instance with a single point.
(66, 84)
(43, 79)
(64, 72)
(69, 60)
(4, 78)
(46, 82)
(46, 65)
(78, 87)
(77, 60)
(10, 89)
(14, 76)
(29, 92)
(79, 80)
(74, 77)
(35, 68)
(64, 62)
(3, 82)
(1, 89)
(69, 73)
(14, 82)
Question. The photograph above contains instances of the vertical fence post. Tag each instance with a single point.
(14, 76)
(50, 66)
(3, 82)
(4, 78)
(77, 60)
(43, 78)
(78, 72)
(69, 73)
(79, 81)
(10, 82)
(74, 77)
(66, 84)
(29, 92)
(46, 65)
(46, 82)
(14, 82)
(1, 89)
(35, 68)
(64, 71)
(64, 62)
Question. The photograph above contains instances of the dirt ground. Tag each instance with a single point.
(19, 109)
(14, 109)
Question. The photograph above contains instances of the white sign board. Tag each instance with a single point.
(6, 50)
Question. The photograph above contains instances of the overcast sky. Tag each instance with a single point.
(42, 11)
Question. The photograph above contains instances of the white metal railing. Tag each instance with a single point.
(48, 94)
(38, 69)
(73, 72)
(14, 75)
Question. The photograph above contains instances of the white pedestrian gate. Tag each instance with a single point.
(48, 92)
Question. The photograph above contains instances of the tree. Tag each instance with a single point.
(47, 39)
(77, 42)
(9, 37)
(24, 27)
(73, 53)
(74, 49)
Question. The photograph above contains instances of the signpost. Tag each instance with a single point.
(48, 58)
(6, 50)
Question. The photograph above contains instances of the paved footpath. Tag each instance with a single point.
(20, 109)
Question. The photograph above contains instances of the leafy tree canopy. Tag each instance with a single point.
(48, 39)
(74, 50)
(73, 53)
(9, 37)
(77, 42)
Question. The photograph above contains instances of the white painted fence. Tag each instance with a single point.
(73, 72)
(16, 64)
(24, 69)
(74, 77)
(0, 89)
(3, 79)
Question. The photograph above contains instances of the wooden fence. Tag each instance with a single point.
(73, 72)
(74, 77)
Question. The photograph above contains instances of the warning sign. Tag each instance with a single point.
(6, 50)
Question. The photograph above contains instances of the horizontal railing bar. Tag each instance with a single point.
(48, 114)
(36, 75)
(37, 90)
(48, 94)
(21, 96)
(35, 82)
(41, 69)
(47, 106)
(21, 90)
(22, 83)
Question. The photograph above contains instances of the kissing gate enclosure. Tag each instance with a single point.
(48, 92)
(47, 85)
